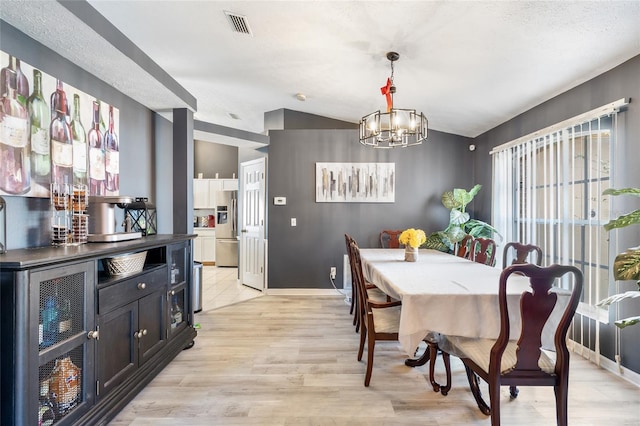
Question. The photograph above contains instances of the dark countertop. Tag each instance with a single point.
(50, 255)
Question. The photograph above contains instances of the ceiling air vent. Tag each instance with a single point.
(238, 23)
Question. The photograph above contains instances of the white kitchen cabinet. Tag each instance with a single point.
(204, 246)
(201, 193)
(229, 184)
(204, 191)
(215, 185)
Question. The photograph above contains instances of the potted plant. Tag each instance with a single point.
(460, 222)
(627, 264)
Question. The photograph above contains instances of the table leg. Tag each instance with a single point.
(430, 354)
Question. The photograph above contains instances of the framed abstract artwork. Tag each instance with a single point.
(355, 182)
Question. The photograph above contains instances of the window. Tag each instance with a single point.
(547, 190)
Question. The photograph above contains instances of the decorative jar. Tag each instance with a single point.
(410, 254)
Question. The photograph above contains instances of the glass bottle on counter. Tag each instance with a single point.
(15, 174)
(61, 142)
(112, 157)
(40, 119)
(79, 137)
(96, 154)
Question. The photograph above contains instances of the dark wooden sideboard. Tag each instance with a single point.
(79, 343)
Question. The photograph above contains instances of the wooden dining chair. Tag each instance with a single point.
(524, 362)
(522, 252)
(379, 320)
(389, 238)
(463, 248)
(373, 292)
(483, 250)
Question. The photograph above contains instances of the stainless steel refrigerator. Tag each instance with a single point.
(226, 228)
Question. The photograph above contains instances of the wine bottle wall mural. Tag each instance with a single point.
(51, 132)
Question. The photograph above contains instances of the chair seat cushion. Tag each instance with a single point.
(386, 320)
(479, 351)
(376, 294)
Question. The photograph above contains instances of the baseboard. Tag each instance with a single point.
(604, 363)
(304, 292)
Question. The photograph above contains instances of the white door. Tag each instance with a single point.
(252, 236)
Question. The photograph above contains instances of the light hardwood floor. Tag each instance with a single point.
(291, 360)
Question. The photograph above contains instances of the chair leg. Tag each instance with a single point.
(494, 401)
(561, 391)
(475, 390)
(362, 339)
(352, 299)
(513, 392)
(370, 346)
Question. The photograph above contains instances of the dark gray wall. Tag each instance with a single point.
(28, 218)
(620, 82)
(300, 257)
(211, 158)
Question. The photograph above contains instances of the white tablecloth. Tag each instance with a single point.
(445, 293)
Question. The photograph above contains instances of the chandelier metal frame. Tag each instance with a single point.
(395, 128)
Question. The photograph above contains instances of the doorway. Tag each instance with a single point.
(252, 223)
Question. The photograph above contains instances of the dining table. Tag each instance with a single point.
(450, 295)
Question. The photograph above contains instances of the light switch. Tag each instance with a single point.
(293, 221)
(280, 201)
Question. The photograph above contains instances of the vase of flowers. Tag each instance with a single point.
(412, 239)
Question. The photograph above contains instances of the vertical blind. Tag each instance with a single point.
(547, 191)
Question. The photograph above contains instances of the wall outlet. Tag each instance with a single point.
(333, 273)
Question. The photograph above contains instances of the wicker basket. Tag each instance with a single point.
(125, 264)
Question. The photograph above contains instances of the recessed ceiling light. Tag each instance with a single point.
(234, 116)
(301, 97)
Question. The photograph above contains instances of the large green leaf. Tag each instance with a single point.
(449, 201)
(623, 191)
(627, 322)
(627, 265)
(456, 217)
(632, 218)
(434, 241)
(478, 228)
(631, 294)
(455, 234)
(474, 191)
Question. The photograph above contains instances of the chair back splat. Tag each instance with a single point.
(483, 250)
(522, 252)
(463, 248)
(389, 238)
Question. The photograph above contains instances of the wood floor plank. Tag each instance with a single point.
(291, 360)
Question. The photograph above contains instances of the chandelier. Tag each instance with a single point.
(396, 127)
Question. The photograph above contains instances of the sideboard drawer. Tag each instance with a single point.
(131, 289)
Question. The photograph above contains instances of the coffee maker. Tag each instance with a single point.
(102, 219)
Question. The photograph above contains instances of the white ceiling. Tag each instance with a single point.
(469, 66)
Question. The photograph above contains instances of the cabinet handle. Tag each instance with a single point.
(92, 335)
(142, 286)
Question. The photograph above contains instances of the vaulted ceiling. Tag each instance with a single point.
(469, 66)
